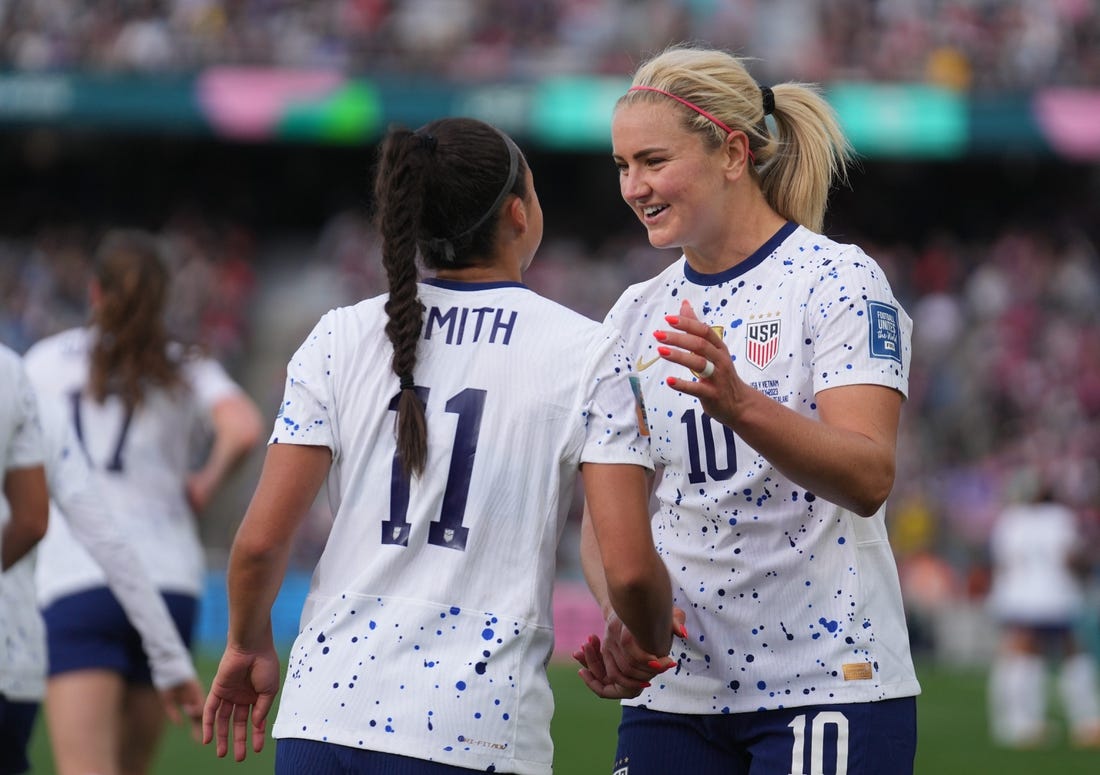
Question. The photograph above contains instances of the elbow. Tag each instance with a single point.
(245, 427)
(873, 492)
(251, 427)
(40, 526)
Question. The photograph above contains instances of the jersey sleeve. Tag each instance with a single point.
(616, 430)
(74, 492)
(67, 467)
(860, 333)
(304, 415)
(210, 381)
(25, 448)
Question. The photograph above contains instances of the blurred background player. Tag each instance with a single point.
(427, 630)
(142, 411)
(1037, 597)
(75, 502)
(24, 508)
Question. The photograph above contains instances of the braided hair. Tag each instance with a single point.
(438, 194)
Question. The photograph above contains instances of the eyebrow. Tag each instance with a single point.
(642, 153)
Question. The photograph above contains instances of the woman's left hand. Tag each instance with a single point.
(693, 344)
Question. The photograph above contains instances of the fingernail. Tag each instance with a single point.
(671, 381)
(683, 631)
(664, 351)
(673, 320)
(646, 685)
(653, 663)
(660, 336)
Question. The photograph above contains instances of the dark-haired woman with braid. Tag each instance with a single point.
(143, 409)
(450, 418)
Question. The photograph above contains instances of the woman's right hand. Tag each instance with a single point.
(242, 693)
(616, 668)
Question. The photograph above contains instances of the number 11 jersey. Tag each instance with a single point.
(428, 624)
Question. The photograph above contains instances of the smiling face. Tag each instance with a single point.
(675, 184)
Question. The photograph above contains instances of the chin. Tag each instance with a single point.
(662, 243)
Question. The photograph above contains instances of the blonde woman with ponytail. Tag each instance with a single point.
(774, 362)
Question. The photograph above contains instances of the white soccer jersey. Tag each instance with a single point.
(22, 657)
(140, 459)
(1033, 583)
(427, 628)
(790, 600)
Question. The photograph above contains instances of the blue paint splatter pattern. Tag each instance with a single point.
(790, 600)
(414, 641)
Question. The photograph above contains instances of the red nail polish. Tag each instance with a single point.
(646, 685)
(672, 319)
(664, 351)
(660, 336)
(671, 381)
(654, 664)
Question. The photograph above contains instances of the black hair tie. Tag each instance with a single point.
(407, 382)
(427, 141)
(769, 100)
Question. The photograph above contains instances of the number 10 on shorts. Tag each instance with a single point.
(813, 732)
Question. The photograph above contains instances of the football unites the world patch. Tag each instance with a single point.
(762, 342)
(885, 331)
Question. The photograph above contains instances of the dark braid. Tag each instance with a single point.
(131, 347)
(434, 197)
(399, 192)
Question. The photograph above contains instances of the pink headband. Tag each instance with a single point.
(694, 107)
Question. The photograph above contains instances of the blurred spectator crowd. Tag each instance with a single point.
(985, 45)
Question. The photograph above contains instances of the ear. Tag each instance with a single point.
(516, 214)
(736, 149)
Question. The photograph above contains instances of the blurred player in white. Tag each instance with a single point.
(141, 408)
(1037, 596)
(774, 363)
(450, 418)
(24, 509)
(77, 508)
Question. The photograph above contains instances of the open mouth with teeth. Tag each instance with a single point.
(650, 212)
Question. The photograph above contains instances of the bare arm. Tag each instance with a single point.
(26, 493)
(248, 676)
(237, 428)
(848, 457)
(637, 583)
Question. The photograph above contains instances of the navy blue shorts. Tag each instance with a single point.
(16, 725)
(870, 738)
(89, 631)
(294, 756)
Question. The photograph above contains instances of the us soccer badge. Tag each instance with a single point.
(762, 341)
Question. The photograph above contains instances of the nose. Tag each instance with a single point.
(632, 185)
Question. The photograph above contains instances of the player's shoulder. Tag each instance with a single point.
(644, 292)
(10, 361)
(71, 343)
(813, 250)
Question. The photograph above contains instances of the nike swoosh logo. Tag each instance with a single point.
(643, 364)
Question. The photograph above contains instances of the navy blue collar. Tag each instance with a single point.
(752, 261)
(458, 285)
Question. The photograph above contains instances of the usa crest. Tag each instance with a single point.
(762, 342)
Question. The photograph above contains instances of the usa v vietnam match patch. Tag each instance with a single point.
(885, 331)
